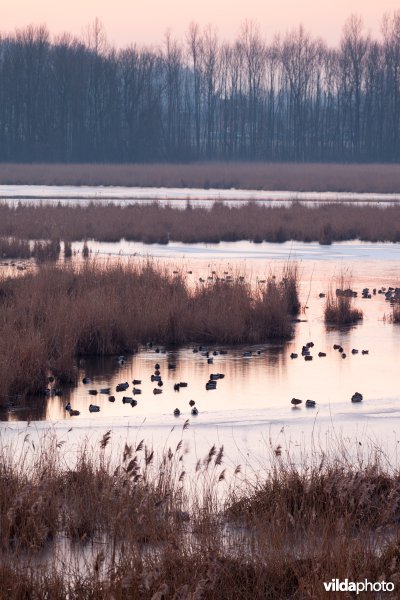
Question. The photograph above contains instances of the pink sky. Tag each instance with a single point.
(146, 21)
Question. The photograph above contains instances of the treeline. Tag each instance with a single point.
(292, 98)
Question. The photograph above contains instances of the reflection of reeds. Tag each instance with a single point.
(339, 307)
(46, 251)
(14, 248)
(158, 532)
(395, 316)
(51, 316)
(160, 223)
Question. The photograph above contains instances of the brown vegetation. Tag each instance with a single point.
(333, 177)
(43, 251)
(155, 223)
(339, 307)
(51, 316)
(154, 535)
(14, 248)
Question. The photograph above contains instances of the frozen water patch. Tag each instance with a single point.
(119, 194)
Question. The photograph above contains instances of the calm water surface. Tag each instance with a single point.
(256, 388)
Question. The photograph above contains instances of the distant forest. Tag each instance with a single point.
(290, 99)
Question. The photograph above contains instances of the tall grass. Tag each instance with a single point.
(156, 223)
(242, 175)
(339, 306)
(153, 534)
(49, 317)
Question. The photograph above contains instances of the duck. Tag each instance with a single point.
(68, 406)
(296, 402)
(194, 411)
(293, 355)
(121, 387)
(192, 402)
(93, 392)
(133, 402)
(111, 398)
(177, 412)
(126, 400)
(74, 413)
(321, 354)
(357, 397)
(310, 403)
(94, 408)
(157, 391)
(177, 387)
(137, 382)
(86, 380)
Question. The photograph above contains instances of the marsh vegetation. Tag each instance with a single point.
(137, 525)
(57, 313)
(154, 223)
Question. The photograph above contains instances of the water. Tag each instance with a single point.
(265, 382)
(177, 197)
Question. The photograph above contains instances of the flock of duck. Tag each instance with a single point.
(306, 352)
(391, 294)
(156, 377)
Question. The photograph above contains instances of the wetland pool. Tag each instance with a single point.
(252, 402)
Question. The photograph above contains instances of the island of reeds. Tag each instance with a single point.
(51, 316)
(156, 223)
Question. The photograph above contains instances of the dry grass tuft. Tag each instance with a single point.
(339, 307)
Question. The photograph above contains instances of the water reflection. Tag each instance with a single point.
(266, 381)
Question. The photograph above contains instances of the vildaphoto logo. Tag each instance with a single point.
(337, 585)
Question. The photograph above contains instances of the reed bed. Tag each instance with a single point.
(222, 175)
(151, 530)
(155, 223)
(339, 306)
(50, 316)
